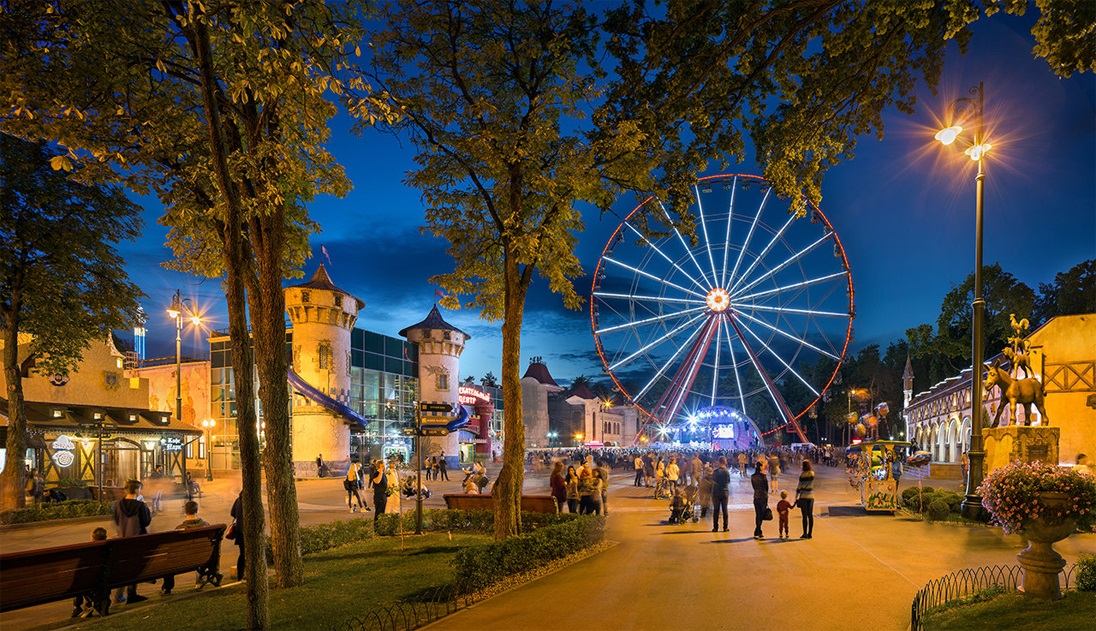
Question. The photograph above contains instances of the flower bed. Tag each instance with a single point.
(56, 510)
(1013, 495)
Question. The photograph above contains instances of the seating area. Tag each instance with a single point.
(93, 568)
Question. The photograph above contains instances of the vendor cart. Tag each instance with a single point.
(874, 469)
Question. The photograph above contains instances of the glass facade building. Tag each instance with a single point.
(384, 386)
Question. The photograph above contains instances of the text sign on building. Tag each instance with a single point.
(434, 431)
(172, 443)
(62, 451)
(470, 395)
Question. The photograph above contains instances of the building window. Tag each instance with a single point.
(338, 300)
(201, 448)
(306, 296)
(190, 450)
(325, 355)
(443, 381)
(446, 335)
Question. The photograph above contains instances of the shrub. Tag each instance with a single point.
(56, 510)
(1086, 573)
(938, 509)
(954, 500)
(334, 534)
(479, 567)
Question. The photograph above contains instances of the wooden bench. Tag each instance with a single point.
(471, 501)
(93, 568)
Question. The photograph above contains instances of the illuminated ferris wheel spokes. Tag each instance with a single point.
(731, 318)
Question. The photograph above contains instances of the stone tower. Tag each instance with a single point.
(907, 384)
(440, 346)
(323, 316)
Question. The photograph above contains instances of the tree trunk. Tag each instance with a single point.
(12, 483)
(508, 484)
(258, 589)
(268, 324)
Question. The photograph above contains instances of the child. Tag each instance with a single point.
(677, 507)
(84, 604)
(190, 510)
(782, 509)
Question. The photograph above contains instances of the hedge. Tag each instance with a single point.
(479, 567)
(56, 510)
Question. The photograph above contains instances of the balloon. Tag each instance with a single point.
(851, 418)
(861, 431)
(873, 422)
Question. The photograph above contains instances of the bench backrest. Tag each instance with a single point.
(530, 503)
(39, 576)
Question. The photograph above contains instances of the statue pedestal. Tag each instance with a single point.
(1020, 442)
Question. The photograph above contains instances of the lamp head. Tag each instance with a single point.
(949, 134)
(173, 313)
(196, 319)
(977, 152)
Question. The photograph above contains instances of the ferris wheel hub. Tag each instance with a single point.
(718, 299)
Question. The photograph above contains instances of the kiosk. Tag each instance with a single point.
(874, 474)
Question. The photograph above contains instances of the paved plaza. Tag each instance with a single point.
(859, 571)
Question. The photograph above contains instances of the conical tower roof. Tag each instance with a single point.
(434, 322)
(321, 280)
(908, 372)
(539, 371)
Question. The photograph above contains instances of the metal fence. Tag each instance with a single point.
(969, 581)
(410, 614)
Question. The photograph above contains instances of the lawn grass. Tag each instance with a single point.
(1014, 610)
(339, 584)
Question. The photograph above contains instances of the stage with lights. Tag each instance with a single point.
(729, 430)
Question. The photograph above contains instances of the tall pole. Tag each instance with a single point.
(972, 503)
(418, 455)
(177, 309)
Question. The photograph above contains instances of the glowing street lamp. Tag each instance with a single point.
(973, 106)
(179, 307)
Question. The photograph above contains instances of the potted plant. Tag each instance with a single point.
(1043, 504)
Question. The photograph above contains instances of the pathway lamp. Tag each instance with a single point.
(971, 108)
(208, 424)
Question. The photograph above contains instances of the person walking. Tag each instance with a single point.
(804, 499)
(379, 482)
(774, 473)
(721, 493)
(131, 517)
(559, 485)
(353, 483)
(760, 486)
(443, 467)
(638, 464)
(603, 471)
(237, 514)
(571, 479)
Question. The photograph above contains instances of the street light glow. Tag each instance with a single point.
(977, 151)
(949, 134)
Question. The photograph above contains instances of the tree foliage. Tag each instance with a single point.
(220, 109)
(62, 279)
(1072, 292)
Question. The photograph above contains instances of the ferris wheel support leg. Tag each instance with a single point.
(780, 403)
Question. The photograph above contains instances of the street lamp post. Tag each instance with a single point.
(973, 106)
(208, 424)
(175, 312)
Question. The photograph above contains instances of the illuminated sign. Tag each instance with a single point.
(722, 431)
(172, 443)
(469, 395)
(62, 451)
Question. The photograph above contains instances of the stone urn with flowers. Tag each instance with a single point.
(1043, 504)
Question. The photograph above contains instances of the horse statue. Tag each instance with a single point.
(1023, 391)
(1018, 360)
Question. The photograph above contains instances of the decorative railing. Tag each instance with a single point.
(970, 581)
(410, 614)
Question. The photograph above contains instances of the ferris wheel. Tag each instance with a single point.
(751, 311)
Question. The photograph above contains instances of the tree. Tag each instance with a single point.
(1072, 292)
(490, 91)
(62, 281)
(222, 112)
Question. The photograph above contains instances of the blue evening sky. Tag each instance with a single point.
(903, 208)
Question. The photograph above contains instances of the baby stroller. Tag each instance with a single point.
(692, 503)
(680, 509)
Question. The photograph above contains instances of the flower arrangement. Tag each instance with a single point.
(1011, 494)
